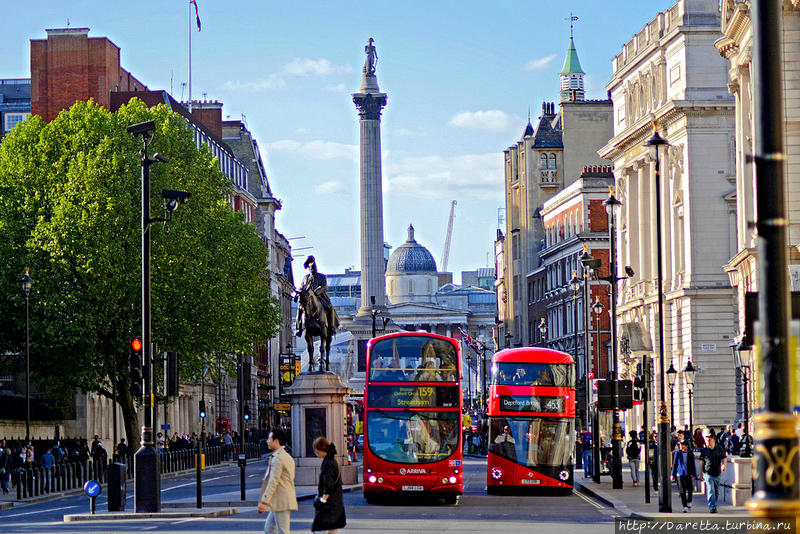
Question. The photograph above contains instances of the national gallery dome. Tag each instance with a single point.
(411, 258)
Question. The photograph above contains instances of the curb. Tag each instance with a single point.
(608, 500)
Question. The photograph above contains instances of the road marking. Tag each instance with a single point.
(590, 501)
(193, 483)
(40, 511)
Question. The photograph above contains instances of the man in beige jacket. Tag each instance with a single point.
(278, 495)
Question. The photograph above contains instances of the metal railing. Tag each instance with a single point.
(66, 476)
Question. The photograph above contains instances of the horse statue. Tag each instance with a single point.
(317, 322)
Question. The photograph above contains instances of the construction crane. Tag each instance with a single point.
(446, 253)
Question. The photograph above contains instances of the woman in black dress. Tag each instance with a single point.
(329, 504)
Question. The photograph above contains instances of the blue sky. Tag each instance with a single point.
(460, 77)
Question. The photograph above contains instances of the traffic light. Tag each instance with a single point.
(246, 412)
(136, 367)
(202, 409)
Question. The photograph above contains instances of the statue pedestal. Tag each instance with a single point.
(743, 480)
(318, 409)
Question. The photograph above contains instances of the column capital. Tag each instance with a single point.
(369, 105)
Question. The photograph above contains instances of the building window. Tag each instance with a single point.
(411, 287)
(543, 159)
(430, 287)
(552, 161)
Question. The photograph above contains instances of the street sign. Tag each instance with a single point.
(283, 407)
(164, 427)
(92, 488)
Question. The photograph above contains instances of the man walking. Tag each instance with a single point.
(278, 495)
(713, 458)
(684, 471)
(586, 453)
(632, 451)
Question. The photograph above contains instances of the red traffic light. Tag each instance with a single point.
(136, 344)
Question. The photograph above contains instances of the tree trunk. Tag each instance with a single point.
(129, 415)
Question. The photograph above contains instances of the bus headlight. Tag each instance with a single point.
(380, 480)
(497, 473)
(372, 479)
(453, 480)
(444, 480)
(563, 475)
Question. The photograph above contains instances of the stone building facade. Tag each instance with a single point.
(670, 73)
(542, 163)
(735, 45)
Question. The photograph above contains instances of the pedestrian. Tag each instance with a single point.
(632, 451)
(586, 453)
(699, 440)
(47, 461)
(713, 463)
(278, 495)
(329, 514)
(122, 449)
(684, 471)
(6, 466)
(652, 458)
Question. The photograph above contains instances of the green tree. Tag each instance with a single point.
(70, 210)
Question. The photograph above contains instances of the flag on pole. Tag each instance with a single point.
(196, 14)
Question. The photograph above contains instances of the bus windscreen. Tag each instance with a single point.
(532, 442)
(413, 437)
(413, 359)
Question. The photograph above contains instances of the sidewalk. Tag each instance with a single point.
(630, 501)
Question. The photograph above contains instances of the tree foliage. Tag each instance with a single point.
(70, 210)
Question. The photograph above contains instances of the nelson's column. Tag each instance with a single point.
(370, 102)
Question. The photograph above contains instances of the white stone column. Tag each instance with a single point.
(643, 199)
(369, 103)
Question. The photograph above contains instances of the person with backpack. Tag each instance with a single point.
(632, 451)
(586, 453)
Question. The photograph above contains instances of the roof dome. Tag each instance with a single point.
(411, 258)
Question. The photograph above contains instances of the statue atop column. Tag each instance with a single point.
(372, 58)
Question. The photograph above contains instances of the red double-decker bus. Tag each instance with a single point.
(531, 420)
(412, 406)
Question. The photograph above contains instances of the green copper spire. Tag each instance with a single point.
(571, 63)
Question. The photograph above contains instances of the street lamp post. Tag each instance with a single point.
(742, 363)
(612, 205)
(543, 331)
(672, 374)
(469, 379)
(654, 144)
(689, 373)
(575, 284)
(597, 307)
(27, 283)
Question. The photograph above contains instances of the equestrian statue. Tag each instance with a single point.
(315, 314)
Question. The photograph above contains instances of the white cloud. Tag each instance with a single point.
(328, 188)
(539, 63)
(408, 133)
(272, 82)
(298, 67)
(492, 120)
(318, 67)
(316, 149)
(473, 175)
(339, 88)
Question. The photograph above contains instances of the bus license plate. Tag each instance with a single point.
(412, 488)
(529, 481)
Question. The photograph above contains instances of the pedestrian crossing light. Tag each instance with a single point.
(136, 367)
(202, 409)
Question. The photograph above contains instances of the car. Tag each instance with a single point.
(360, 443)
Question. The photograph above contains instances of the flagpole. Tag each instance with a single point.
(189, 5)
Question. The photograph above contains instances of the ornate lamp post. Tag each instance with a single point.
(672, 374)
(612, 206)
(665, 495)
(575, 284)
(597, 307)
(742, 363)
(27, 283)
(543, 331)
(689, 373)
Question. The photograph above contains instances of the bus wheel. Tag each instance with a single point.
(370, 498)
(450, 499)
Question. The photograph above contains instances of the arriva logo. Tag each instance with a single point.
(404, 471)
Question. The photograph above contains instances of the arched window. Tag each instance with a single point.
(411, 287)
(391, 287)
(552, 161)
(543, 159)
(430, 287)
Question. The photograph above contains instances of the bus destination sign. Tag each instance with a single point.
(531, 403)
(413, 396)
